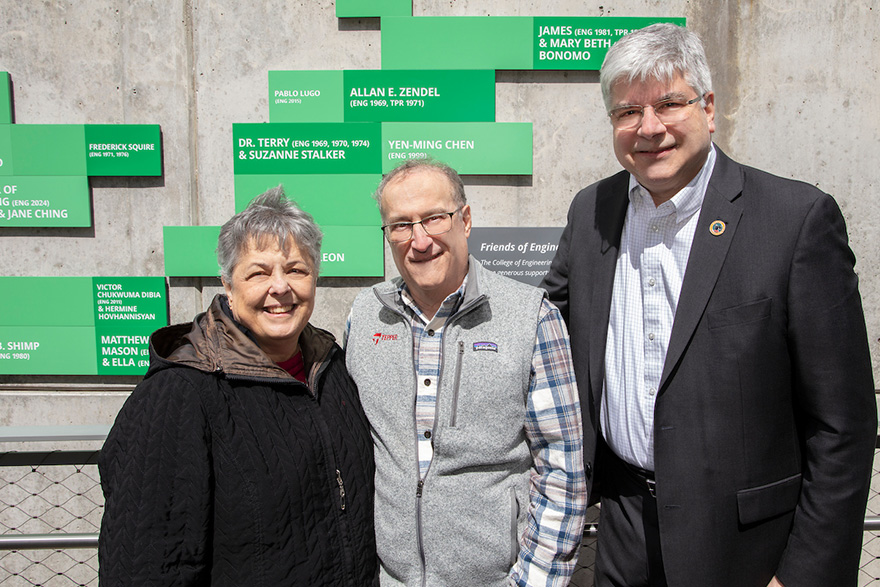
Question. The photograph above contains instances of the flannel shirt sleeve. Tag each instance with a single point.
(558, 495)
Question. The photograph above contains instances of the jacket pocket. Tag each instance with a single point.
(759, 503)
(741, 314)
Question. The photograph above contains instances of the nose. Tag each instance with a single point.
(278, 285)
(650, 125)
(421, 240)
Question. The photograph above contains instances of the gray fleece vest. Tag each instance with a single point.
(462, 524)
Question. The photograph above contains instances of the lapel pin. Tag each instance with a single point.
(717, 228)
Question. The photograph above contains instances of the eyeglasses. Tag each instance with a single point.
(400, 232)
(666, 111)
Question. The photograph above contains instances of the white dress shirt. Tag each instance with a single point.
(654, 250)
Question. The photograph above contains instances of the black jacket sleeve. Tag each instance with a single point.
(834, 391)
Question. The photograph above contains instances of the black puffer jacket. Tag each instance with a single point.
(223, 470)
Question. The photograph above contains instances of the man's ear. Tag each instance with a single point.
(710, 110)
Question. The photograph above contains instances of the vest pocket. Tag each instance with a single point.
(458, 358)
(514, 516)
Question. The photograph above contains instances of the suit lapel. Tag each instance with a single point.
(707, 256)
(611, 205)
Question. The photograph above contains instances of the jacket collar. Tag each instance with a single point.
(388, 292)
(216, 342)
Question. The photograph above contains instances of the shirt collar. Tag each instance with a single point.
(683, 204)
(449, 306)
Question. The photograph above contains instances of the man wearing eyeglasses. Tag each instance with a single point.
(467, 381)
(719, 344)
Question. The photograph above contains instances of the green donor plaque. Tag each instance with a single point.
(581, 42)
(419, 96)
(371, 95)
(346, 251)
(5, 98)
(344, 200)
(503, 42)
(191, 251)
(456, 42)
(478, 148)
(102, 328)
(305, 96)
(370, 8)
(5, 149)
(314, 148)
(123, 149)
(48, 149)
(127, 310)
(44, 201)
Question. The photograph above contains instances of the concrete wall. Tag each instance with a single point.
(796, 87)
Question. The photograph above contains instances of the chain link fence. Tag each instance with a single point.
(50, 494)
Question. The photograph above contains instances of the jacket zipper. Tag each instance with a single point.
(421, 483)
(317, 371)
(341, 490)
(455, 386)
(419, 487)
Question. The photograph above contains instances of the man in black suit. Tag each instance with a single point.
(719, 344)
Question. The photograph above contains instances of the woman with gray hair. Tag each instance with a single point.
(244, 456)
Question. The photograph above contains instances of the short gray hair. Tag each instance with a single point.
(411, 165)
(269, 216)
(659, 52)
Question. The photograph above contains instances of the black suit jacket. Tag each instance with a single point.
(765, 419)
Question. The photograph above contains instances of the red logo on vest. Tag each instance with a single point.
(379, 336)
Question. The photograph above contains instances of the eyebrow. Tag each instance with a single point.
(422, 217)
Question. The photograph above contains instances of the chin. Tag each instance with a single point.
(285, 344)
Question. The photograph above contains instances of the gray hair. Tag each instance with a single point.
(269, 216)
(659, 52)
(411, 165)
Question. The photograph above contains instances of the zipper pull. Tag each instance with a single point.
(419, 488)
(341, 488)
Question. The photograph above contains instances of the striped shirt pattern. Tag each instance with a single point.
(427, 336)
(654, 250)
